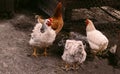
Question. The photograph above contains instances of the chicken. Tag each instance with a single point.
(74, 53)
(56, 19)
(97, 40)
(45, 31)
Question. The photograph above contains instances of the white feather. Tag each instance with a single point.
(97, 40)
(42, 39)
(74, 52)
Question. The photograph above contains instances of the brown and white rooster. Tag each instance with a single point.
(97, 40)
(45, 31)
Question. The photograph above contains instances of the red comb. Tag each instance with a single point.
(87, 21)
(50, 19)
(48, 23)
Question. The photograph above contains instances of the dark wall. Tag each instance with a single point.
(11, 5)
(90, 3)
(47, 6)
(6, 5)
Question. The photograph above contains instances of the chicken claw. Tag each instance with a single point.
(75, 66)
(66, 67)
(34, 52)
(45, 52)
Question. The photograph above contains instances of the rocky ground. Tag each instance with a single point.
(15, 49)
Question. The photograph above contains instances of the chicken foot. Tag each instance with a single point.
(66, 67)
(45, 52)
(35, 52)
(75, 66)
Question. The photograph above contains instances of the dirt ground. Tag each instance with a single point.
(15, 51)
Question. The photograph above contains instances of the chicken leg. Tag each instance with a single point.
(66, 67)
(34, 52)
(75, 66)
(45, 52)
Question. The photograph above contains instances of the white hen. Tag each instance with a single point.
(73, 53)
(42, 39)
(97, 41)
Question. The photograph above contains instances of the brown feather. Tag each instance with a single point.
(58, 11)
(57, 23)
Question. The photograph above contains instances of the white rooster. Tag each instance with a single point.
(97, 40)
(74, 53)
(45, 31)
